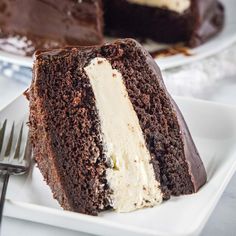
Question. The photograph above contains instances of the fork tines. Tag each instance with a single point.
(14, 146)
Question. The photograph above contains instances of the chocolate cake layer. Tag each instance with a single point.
(87, 151)
(65, 132)
(27, 25)
(129, 18)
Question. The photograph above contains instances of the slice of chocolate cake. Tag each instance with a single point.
(168, 21)
(27, 25)
(106, 133)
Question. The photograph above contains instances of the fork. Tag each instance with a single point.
(15, 155)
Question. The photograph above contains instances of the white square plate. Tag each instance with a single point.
(213, 128)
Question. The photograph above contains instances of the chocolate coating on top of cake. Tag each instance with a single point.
(41, 24)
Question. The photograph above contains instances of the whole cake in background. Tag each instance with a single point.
(27, 25)
(105, 132)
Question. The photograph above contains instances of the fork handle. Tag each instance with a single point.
(3, 195)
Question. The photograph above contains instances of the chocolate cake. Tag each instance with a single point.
(106, 133)
(27, 25)
(167, 21)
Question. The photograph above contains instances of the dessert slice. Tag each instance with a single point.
(27, 25)
(106, 133)
(168, 21)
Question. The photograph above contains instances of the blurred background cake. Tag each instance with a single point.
(27, 25)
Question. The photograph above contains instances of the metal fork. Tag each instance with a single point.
(15, 155)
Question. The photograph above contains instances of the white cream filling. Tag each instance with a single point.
(132, 177)
(174, 5)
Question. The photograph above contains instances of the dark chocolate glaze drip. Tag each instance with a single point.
(209, 20)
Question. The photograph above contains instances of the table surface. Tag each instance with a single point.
(222, 220)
